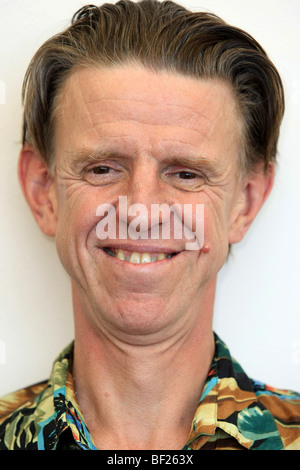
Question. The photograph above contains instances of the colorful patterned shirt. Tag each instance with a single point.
(234, 412)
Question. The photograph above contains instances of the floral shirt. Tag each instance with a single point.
(234, 412)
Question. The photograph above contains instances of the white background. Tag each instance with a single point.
(257, 310)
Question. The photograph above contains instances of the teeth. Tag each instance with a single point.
(138, 258)
(145, 258)
(120, 255)
(135, 258)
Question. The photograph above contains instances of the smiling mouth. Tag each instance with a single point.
(137, 257)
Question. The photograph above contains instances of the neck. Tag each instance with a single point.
(126, 388)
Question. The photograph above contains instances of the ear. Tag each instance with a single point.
(254, 190)
(38, 188)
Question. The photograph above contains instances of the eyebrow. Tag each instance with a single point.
(197, 162)
(87, 155)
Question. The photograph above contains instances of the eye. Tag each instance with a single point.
(103, 174)
(186, 175)
(100, 170)
(186, 179)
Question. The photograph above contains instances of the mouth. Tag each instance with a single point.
(137, 257)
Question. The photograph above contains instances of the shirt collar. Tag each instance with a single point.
(68, 416)
(229, 408)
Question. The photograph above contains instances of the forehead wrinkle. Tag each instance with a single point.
(132, 115)
(89, 98)
(147, 103)
(155, 125)
(148, 116)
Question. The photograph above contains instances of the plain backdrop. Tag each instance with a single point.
(257, 311)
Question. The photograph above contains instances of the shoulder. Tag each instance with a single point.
(284, 406)
(17, 410)
(19, 399)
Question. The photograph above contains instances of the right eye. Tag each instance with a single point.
(103, 174)
(101, 170)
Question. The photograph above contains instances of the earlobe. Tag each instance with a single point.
(255, 190)
(38, 188)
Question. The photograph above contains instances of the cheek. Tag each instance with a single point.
(76, 221)
(216, 229)
(77, 208)
(207, 218)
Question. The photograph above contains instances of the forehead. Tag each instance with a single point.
(145, 111)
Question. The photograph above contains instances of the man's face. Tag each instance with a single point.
(155, 138)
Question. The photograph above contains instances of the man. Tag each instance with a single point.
(139, 106)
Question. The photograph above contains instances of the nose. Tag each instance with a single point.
(144, 188)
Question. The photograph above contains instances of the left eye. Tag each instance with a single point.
(186, 175)
(185, 179)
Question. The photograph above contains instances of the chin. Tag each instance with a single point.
(141, 315)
